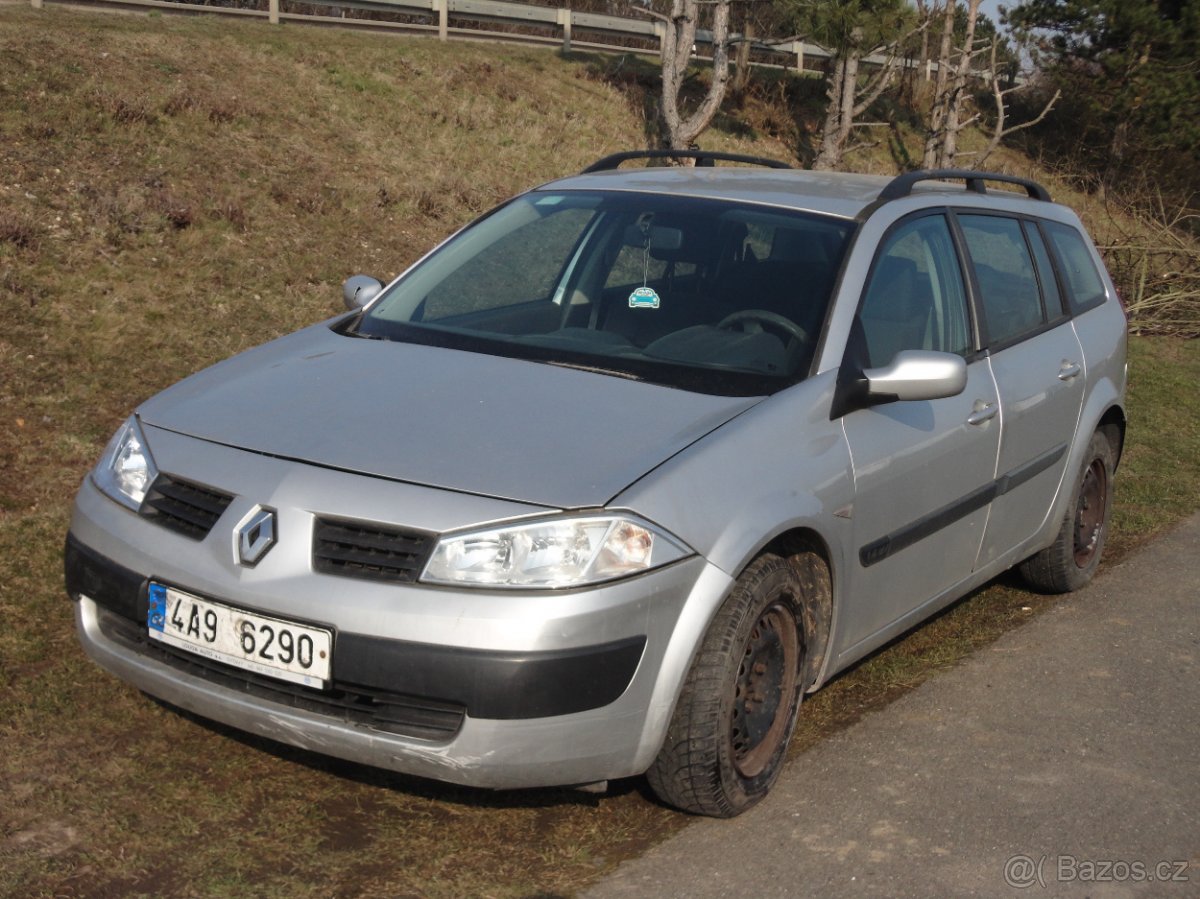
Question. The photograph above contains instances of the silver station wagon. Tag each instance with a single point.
(609, 480)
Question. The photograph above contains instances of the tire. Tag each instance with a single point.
(1072, 560)
(728, 737)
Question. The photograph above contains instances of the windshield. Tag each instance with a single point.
(706, 295)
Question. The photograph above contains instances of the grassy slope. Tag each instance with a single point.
(175, 190)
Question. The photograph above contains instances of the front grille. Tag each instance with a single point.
(184, 507)
(359, 549)
(405, 716)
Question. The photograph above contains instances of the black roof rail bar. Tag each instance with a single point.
(902, 185)
(704, 158)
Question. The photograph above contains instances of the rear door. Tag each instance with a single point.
(1037, 363)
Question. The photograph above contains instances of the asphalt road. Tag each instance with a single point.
(1063, 761)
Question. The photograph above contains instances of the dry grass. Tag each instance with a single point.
(175, 190)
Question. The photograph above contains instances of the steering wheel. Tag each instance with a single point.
(766, 318)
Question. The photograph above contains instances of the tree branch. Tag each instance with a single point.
(641, 11)
(1000, 132)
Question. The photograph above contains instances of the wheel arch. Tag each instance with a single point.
(1113, 425)
(795, 543)
(809, 554)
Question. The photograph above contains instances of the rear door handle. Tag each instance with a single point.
(1069, 370)
(983, 412)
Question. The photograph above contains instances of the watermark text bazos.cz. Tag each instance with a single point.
(1024, 871)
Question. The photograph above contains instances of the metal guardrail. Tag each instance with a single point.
(557, 26)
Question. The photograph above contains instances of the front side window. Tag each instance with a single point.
(915, 298)
(1008, 284)
(709, 295)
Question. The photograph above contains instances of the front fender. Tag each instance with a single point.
(779, 468)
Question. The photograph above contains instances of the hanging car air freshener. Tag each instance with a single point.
(645, 297)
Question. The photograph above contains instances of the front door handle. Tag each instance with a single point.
(1069, 370)
(983, 412)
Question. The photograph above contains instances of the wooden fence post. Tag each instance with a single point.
(273, 12)
(564, 19)
(36, 4)
(443, 11)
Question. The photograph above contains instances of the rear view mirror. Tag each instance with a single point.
(661, 237)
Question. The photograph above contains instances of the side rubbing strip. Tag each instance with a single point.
(878, 550)
(1030, 470)
(925, 526)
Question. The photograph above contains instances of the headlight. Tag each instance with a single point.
(563, 552)
(126, 470)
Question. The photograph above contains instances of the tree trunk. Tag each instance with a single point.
(925, 13)
(941, 97)
(945, 119)
(741, 62)
(839, 113)
(949, 150)
(679, 132)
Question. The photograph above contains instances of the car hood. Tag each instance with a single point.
(481, 424)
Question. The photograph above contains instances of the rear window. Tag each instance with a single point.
(1084, 286)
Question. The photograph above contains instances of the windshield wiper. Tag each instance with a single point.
(597, 369)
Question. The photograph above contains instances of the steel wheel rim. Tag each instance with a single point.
(1089, 512)
(766, 680)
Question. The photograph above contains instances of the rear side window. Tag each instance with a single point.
(1082, 282)
(1008, 284)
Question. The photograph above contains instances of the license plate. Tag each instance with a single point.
(270, 646)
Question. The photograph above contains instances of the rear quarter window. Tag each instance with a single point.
(1081, 280)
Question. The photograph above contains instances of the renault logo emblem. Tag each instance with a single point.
(255, 535)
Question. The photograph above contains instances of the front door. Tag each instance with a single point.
(923, 470)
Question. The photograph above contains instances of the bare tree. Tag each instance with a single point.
(950, 88)
(678, 130)
(1153, 258)
(1000, 94)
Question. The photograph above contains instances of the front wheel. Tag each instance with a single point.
(1072, 560)
(728, 738)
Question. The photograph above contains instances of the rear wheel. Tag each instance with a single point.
(728, 737)
(1072, 560)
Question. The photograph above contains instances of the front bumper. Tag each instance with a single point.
(580, 692)
(487, 684)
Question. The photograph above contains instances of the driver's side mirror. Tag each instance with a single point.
(917, 375)
(911, 375)
(360, 290)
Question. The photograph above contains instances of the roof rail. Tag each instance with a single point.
(902, 185)
(704, 158)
